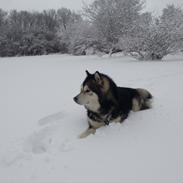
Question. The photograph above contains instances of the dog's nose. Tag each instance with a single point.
(75, 99)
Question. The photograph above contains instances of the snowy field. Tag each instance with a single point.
(39, 122)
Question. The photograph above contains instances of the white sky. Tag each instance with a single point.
(151, 5)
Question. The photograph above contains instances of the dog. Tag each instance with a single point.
(105, 102)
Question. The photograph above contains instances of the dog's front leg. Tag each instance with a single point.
(86, 133)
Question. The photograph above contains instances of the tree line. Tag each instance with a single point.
(104, 26)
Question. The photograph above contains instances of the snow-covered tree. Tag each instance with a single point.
(3, 15)
(113, 18)
(158, 38)
(68, 22)
(171, 22)
(3, 30)
(28, 33)
(67, 17)
(108, 26)
(78, 37)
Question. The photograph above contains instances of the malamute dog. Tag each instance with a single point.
(105, 102)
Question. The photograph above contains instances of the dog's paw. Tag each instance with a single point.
(82, 136)
(87, 133)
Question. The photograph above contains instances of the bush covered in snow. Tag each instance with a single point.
(156, 38)
(29, 33)
(106, 26)
(113, 19)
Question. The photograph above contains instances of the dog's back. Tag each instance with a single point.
(133, 99)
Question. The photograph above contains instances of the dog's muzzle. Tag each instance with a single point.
(75, 99)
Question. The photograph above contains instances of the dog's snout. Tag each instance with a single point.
(75, 99)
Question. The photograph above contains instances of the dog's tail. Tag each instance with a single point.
(143, 100)
(146, 95)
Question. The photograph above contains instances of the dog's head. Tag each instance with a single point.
(92, 89)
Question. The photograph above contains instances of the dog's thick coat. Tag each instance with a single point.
(106, 102)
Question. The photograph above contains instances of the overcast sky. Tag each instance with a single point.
(151, 5)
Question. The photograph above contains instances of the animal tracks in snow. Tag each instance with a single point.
(49, 137)
(40, 141)
(52, 118)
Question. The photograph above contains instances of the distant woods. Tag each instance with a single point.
(35, 33)
(105, 26)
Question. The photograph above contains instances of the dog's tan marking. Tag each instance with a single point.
(81, 87)
(117, 120)
(105, 84)
(85, 88)
(135, 105)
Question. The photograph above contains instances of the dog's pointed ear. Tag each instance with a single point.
(87, 73)
(97, 76)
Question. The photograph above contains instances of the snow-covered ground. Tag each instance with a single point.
(39, 123)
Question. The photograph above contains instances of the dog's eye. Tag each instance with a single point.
(87, 91)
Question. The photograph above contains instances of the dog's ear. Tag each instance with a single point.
(87, 73)
(97, 77)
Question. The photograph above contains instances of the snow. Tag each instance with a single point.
(40, 123)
